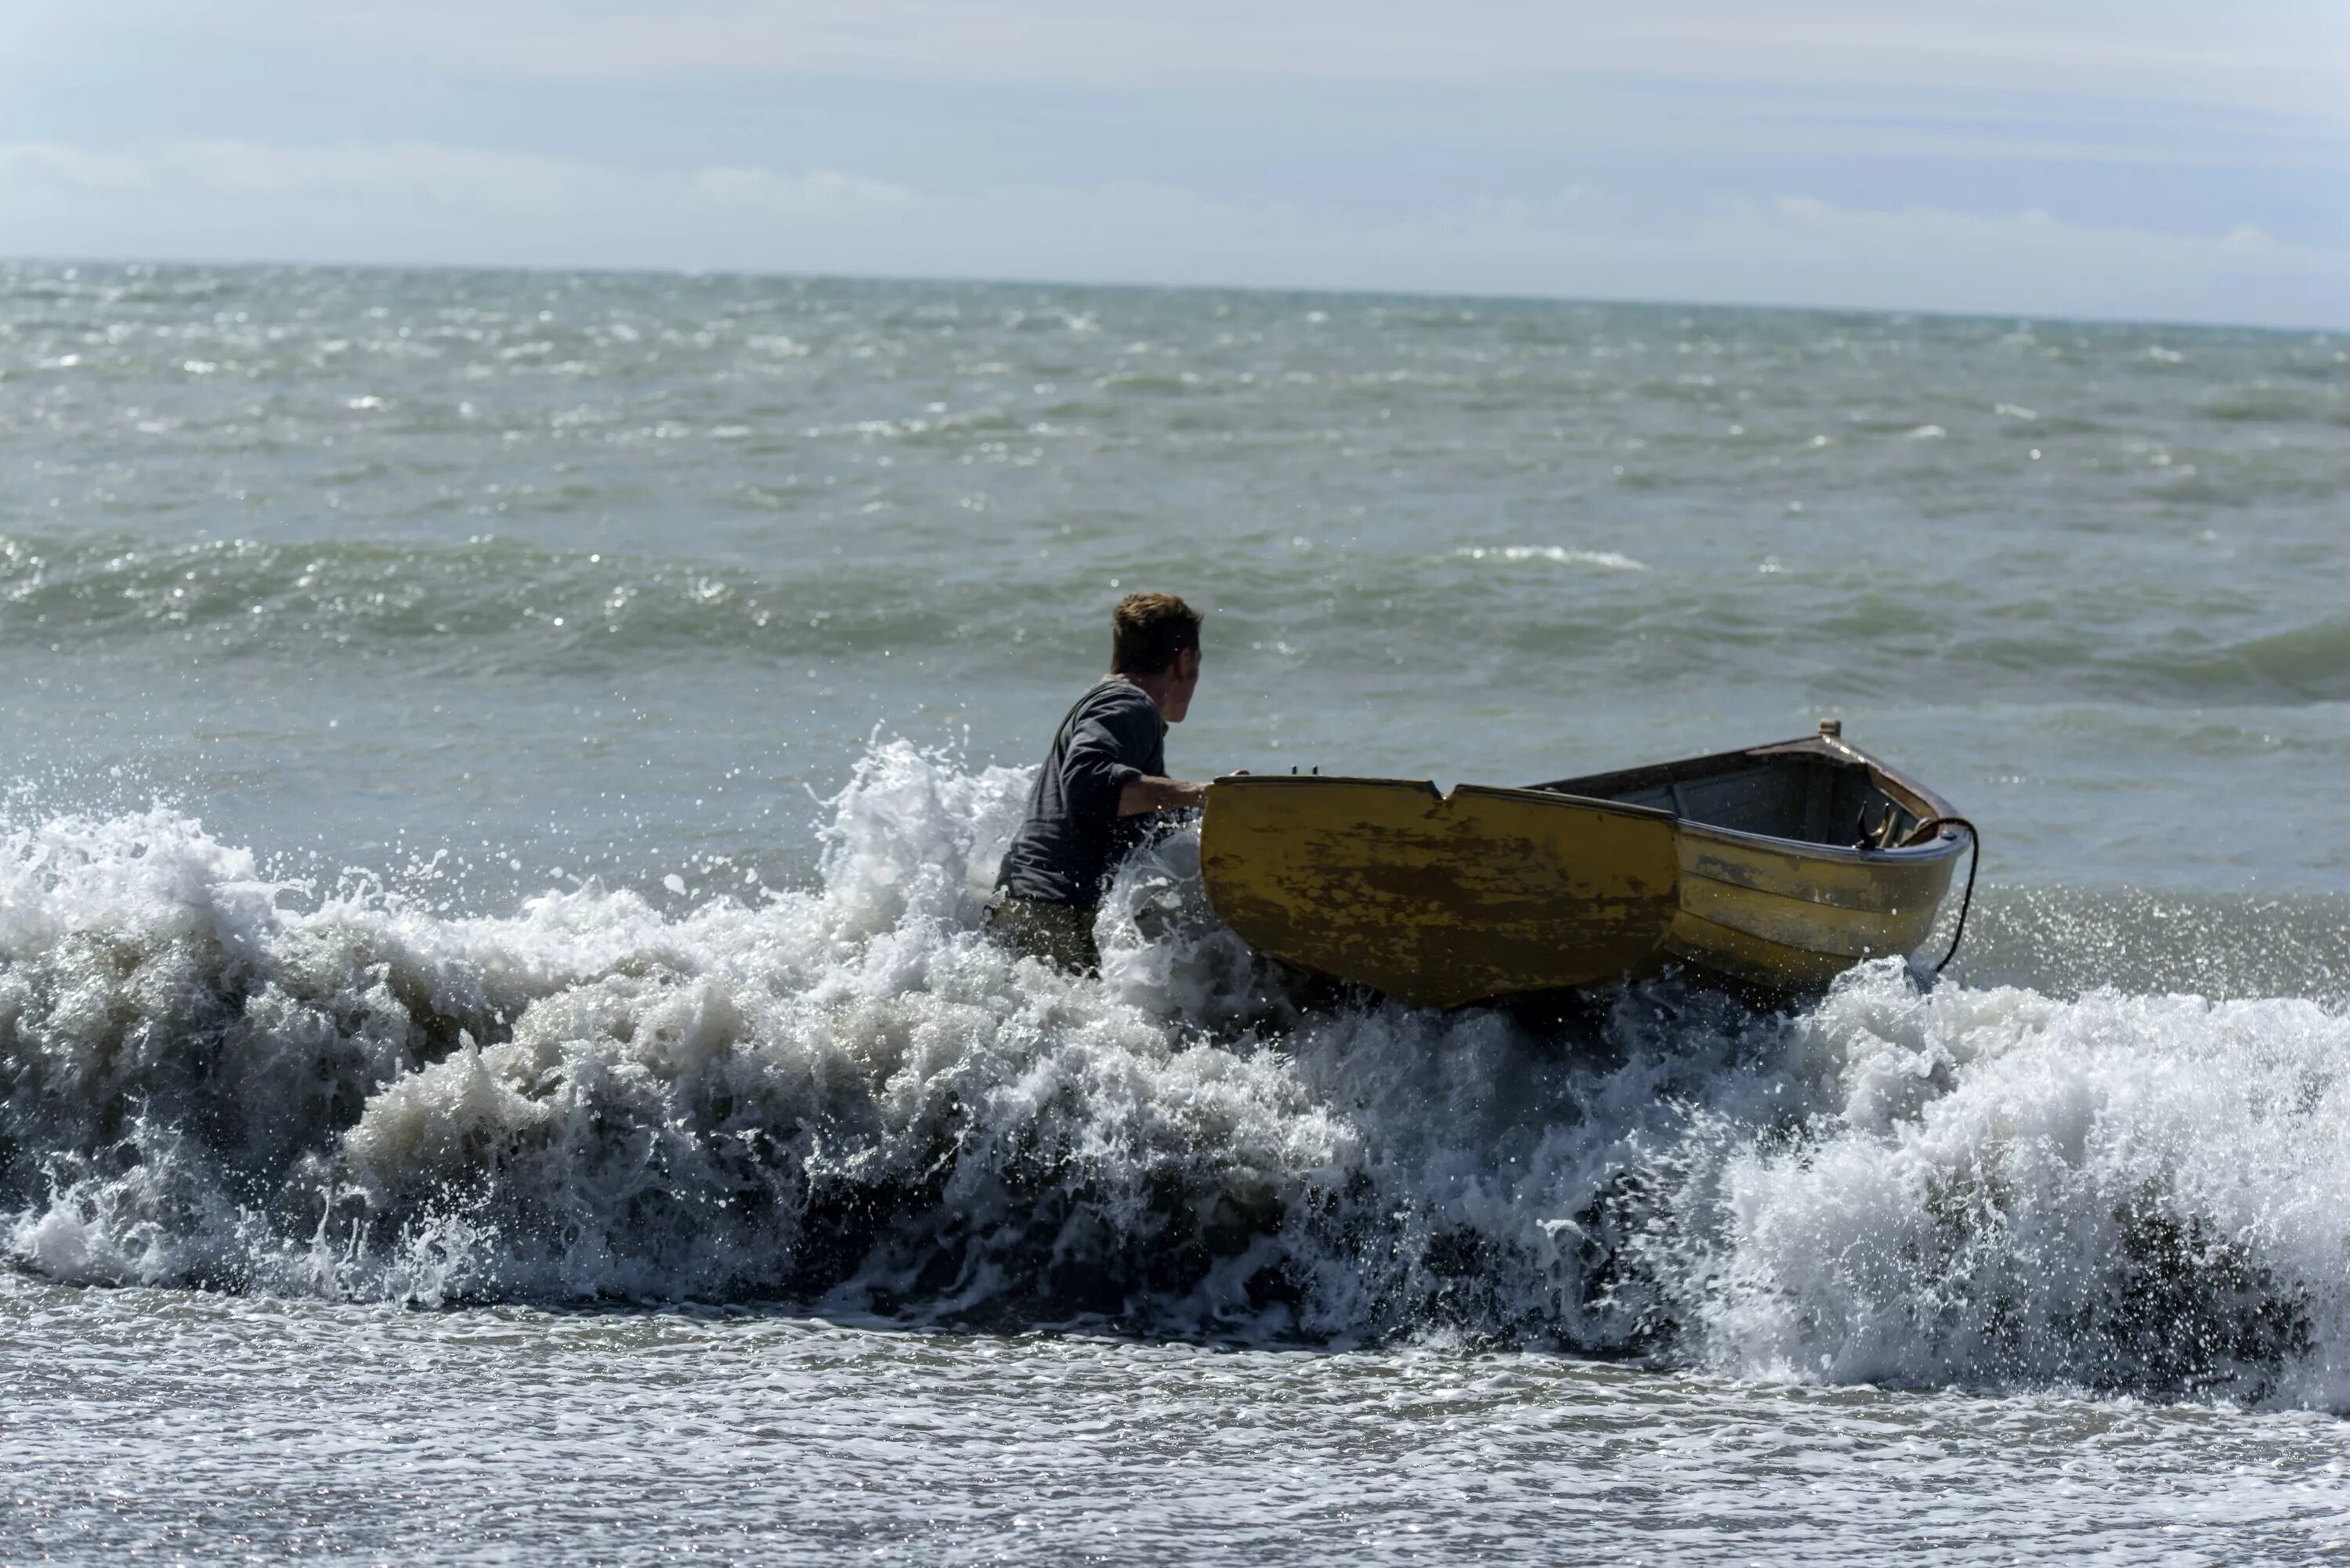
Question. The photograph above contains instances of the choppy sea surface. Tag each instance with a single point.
(499, 773)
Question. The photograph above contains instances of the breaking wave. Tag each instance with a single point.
(843, 1097)
(521, 607)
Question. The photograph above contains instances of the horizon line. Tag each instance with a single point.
(1313, 291)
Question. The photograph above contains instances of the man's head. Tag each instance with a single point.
(1155, 637)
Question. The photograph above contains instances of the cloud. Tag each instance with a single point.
(2264, 54)
(418, 202)
(217, 199)
(824, 190)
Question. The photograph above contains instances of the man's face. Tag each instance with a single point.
(1178, 693)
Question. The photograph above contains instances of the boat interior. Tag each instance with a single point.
(1805, 791)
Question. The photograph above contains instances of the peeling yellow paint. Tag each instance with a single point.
(1441, 900)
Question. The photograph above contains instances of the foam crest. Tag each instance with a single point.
(2149, 1193)
(72, 875)
(845, 1095)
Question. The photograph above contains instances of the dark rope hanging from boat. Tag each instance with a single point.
(1974, 864)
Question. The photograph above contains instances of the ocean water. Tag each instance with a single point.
(500, 772)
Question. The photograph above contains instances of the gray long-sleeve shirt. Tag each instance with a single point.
(1063, 850)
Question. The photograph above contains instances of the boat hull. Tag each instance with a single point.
(1446, 899)
(1439, 900)
(1789, 920)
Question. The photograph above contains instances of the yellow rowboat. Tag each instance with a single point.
(1777, 868)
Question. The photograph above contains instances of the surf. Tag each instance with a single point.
(840, 1096)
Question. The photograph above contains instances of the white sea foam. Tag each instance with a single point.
(845, 1095)
(1557, 554)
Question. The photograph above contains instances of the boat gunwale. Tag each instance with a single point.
(1521, 792)
(1953, 837)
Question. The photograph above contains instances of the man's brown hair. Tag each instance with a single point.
(1147, 630)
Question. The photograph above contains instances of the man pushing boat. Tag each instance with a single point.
(1105, 773)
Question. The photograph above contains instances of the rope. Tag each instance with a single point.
(1974, 864)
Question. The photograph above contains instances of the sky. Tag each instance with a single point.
(2161, 160)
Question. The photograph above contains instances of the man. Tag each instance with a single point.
(1107, 768)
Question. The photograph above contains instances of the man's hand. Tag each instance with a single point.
(1158, 795)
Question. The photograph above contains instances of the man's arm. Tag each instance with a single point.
(1147, 793)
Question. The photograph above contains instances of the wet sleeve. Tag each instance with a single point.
(1104, 755)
